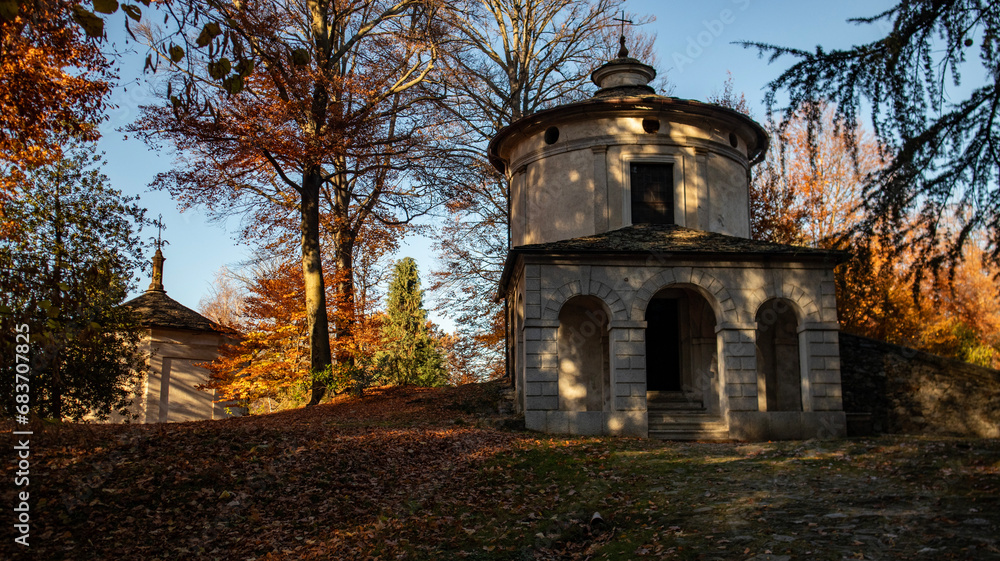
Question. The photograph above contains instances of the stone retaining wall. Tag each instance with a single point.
(893, 389)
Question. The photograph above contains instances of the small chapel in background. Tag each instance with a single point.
(175, 341)
(637, 304)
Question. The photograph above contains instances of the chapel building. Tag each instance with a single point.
(637, 304)
(176, 342)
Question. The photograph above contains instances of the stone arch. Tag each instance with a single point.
(805, 306)
(711, 288)
(607, 295)
(762, 299)
(779, 361)
(681, 347)
(583, 355)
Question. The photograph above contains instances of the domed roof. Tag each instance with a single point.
(623, 87)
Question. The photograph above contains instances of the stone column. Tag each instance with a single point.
(738, 378)
(602, 210)
(628, 379)
(541, 379)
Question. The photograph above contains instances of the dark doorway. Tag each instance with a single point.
(663, 353)
(652, 187)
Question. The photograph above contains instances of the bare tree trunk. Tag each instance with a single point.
(343, 250)
(57, 303)
(312, 271)
(344, 328)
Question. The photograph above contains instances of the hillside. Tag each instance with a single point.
(426, 474)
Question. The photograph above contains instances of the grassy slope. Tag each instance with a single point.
(421, 474)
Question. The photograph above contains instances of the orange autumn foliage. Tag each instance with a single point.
(828, 182)
(811, 194)
(962, 312)
(54, 83)
(313, 111)
(271, 361)
(272, 355)
(816, 198)
(955, 313)
(464, 360)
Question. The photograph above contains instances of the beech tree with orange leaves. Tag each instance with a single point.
(54, 83)
(264, 303)
(54, 79)
(307, 108)
(828, 174)
(272, 353)
(506, 60)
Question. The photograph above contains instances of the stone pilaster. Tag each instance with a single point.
(738, 358)
(628, 379)
(820, 348)
(541, 379)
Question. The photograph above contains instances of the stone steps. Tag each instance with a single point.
(673, 401)
(686, 425)
(681, 416)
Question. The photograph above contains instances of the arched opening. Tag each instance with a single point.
(779, 374)
(681, 349)
(584, 360)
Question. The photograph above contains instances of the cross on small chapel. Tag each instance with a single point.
(156, 283)
(159, 231)
(159, 241)
(623, 52)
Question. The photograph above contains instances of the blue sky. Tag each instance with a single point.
(694, 46)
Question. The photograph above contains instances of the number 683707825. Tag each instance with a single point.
(21, 361)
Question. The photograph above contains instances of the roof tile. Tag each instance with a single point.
(156, 309)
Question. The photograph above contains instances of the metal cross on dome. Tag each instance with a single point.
(623, 52)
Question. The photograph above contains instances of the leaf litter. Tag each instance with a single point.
(413, 473)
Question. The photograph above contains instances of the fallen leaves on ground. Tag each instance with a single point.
(407, 473)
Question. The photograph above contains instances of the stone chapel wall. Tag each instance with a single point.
(579, 184)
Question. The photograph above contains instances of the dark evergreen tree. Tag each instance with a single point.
(933, 85)
(411, 355)
(66, 269)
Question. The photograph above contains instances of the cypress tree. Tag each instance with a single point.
(412, 355)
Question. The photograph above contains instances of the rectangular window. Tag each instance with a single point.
(652, 187)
